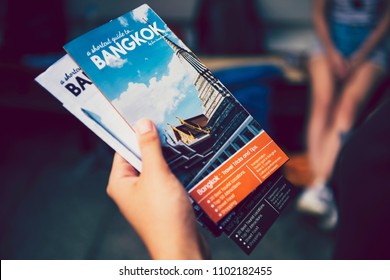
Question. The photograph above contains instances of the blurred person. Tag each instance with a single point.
(154, 202)
(345, 67)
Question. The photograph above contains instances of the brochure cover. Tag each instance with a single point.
(67, 82)
(212, 144)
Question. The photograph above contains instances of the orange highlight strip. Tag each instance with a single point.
(238, 176)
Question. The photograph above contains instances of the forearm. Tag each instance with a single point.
(377, 35)
(321, 25)
(186, 251)
(184, 244)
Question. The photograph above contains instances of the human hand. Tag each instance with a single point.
(338, 63)
(355, 62)
(154, 202)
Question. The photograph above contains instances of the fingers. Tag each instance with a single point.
(121, 168)
(150, 146)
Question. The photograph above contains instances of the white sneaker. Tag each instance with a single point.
(315, 200)
(329, 221)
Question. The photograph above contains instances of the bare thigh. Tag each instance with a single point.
(322, 91)
(355, 93)
(322, 85)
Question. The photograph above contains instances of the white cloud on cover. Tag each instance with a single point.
(116, 62)
(141, 13)
(157, 99)
(123, 21)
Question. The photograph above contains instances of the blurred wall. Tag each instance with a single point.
(86, 14)
(272, 11)
(285, 11)
(287, 24)
(177, 9)
(2, 18)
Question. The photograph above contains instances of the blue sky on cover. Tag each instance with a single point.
(149, 81)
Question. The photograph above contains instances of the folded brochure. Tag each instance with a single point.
(90, 107)
(228, 164)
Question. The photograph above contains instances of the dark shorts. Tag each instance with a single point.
(348, 39)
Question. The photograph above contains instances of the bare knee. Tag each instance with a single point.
(355, 94)
(321, 106)
(345, 114)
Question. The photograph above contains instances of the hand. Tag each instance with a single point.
(154, 202)
(338, 63)
(355, 61)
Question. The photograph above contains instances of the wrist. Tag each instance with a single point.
(178, 241)
(185, 248)
(360, 55)
(330, 49)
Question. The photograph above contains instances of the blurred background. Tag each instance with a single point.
(53, 203)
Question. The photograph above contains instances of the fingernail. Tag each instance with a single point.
(144, 126)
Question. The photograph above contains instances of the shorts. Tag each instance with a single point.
(348, 39)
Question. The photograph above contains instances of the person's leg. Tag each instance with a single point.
(319, 199)
(312, 200)
(356, 90)
(322, 88)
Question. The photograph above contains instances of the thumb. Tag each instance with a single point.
(150, 146)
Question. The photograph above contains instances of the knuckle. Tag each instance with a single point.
(109, 190)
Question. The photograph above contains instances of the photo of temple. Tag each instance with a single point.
(203, 142)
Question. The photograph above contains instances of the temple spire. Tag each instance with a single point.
(198, 66)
